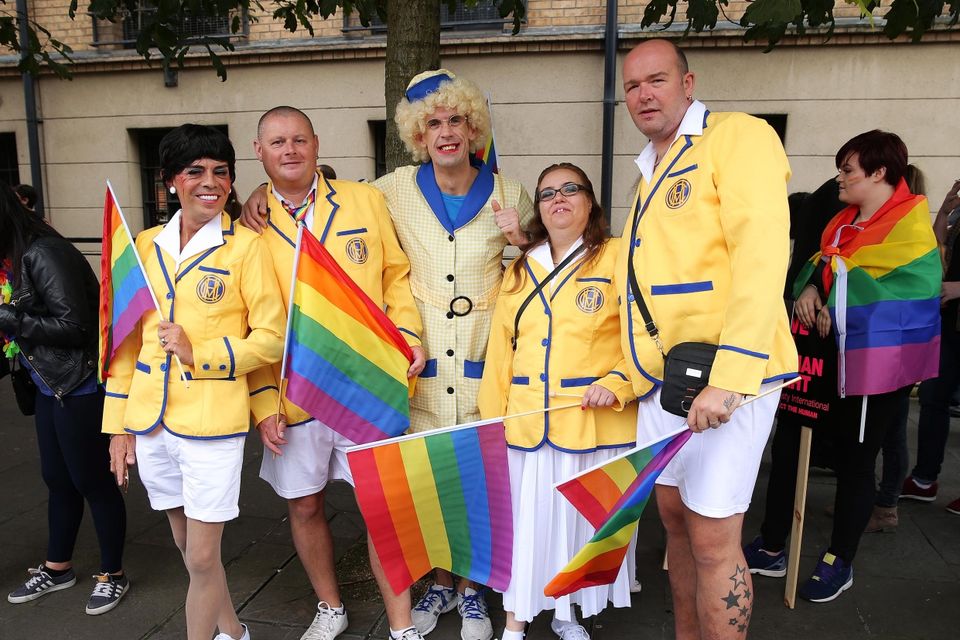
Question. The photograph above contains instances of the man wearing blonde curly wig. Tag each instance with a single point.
(454, 216)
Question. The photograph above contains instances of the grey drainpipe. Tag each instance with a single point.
(609, 104)
(30, 107)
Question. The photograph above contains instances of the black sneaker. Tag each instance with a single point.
(40, 583)
(107, 593)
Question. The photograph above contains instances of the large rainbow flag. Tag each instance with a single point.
(612, 498)
(884, 294)
(124, 293)
(345, 360)
(438, 499)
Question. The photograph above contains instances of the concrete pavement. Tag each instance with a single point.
(907, 584)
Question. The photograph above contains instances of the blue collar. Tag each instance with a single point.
(475, 200)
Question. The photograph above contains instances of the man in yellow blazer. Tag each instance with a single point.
(301, 454)
(708, 242)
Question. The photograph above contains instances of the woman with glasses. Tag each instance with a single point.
(222, 318)
(555, 339)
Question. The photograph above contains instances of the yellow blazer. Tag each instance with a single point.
(710, 250)
(227, 302)
(569, 339)
(351, 220)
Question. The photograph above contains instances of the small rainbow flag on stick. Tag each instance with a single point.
(488, 154)
(612, 498)
(125, 294)
(346, 361)
(438, 499)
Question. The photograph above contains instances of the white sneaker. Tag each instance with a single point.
(327, 624)
(635, 586)
(476, 622)
(245, 636)
(569, 630)
(410, 633)
(436, 601)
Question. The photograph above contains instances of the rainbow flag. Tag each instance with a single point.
(345, 361)
(438, 499)
(612, 497)
(488, 154)
(884, 294)
(124, 293)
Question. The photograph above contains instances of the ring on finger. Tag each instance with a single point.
(163, 341)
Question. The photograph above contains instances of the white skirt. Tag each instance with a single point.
(548, 532)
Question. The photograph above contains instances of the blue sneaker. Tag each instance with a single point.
(762, 562)
(832, 577)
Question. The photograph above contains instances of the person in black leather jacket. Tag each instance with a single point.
(50, 318)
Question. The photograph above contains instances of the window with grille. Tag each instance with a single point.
(191, 25)
(9, 167)
(484, 16)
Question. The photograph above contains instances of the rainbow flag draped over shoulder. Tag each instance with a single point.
(884, 294)
(438, 499)
(345, 360)
(124, 293)
(612, 498)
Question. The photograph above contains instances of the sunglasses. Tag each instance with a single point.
(568, 189)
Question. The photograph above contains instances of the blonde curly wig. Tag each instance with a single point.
(458, 95)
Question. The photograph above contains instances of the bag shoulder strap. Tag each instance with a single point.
(648, 322)
(523, 306)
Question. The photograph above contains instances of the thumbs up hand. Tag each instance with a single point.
(508, 221)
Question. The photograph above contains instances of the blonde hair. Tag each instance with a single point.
(458, 95)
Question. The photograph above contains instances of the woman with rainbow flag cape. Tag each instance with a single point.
(48, 323)
(549, 343)
(217, 317)
(875, 285)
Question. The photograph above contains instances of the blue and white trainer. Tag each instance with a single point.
(435, 602)
(476, 623)
(763, 563)
(832, 577)
(40, 583)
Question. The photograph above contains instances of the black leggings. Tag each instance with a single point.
(855, 465)
(75, 463)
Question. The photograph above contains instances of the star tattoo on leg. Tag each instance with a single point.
(732, 599)
(739, 578)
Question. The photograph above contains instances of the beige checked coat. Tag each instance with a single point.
(449, 265)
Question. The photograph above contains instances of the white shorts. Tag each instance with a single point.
(716, 470)
(202, 476)
(314, 455)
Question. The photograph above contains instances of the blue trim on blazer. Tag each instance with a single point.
(474, 202)
(213, 270)
(141, 366)
(203, 256)
(429, 369)
(233, 361)
(520, 380)
(350, 232)
(242, 434)
(408, 332)
(746, 352)
(781, 376)
(291, 242)
(577, 382)
(552, 445)
(544, 377)
(688, 142)
(680, 172)
(682, 287)
(473, 370)
(619, 374)
(333, 210)
(566, 278)
(111, 394)
(603, 280)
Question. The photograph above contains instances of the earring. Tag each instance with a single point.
(173, 190)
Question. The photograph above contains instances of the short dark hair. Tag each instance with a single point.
(28, 194)
(190, 142)
(284, 110)
(876, 149)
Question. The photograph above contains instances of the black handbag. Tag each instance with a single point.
(686, 368)
(24, 388)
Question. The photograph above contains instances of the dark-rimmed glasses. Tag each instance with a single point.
(568, 189)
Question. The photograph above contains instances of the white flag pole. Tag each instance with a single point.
(153, 296)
